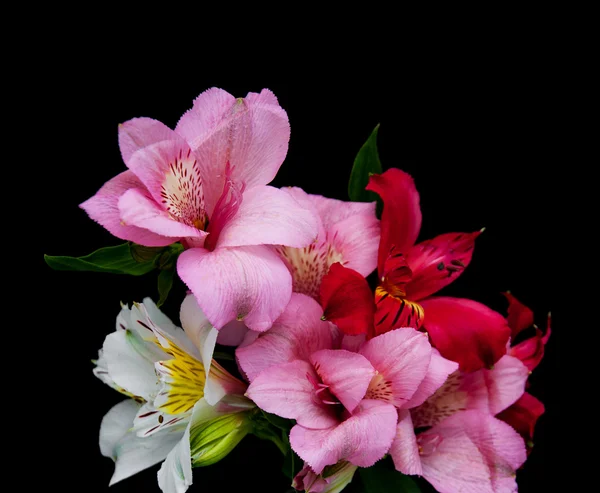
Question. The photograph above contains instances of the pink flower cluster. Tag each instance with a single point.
(433, 381)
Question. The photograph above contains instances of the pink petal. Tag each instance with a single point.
(347, 300)
(138, 133)
(139, 210)
(296, 334)
(103, 208)
(405, 450)
(523, 415)
(401, 358)
(286, 390)
(466, 331)
(362, 439)
(471, 452)
(353, 343)
(251, 134)
(269, 216)
(436, 263)
(346, 374)
(437, 373)
(401, 217)
(519, 316)
(232, 334)
(489, 391)
(245, 283)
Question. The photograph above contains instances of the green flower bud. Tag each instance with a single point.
(212, 440)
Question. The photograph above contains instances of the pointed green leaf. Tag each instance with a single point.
(383, 478)
(165, 282)
(115, 260)
(366, 163)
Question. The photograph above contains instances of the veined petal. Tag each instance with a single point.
(401, 216)
(296, 334)
(523, 416)
(471, 452)
(104, 209)
(405, 450)
(251, 133)
(489, 391)
(519, 316)
(245, 283)
(175, 474)
(269, 216)
(436, 263)
(393, 312)
(347, 375)
(466, 331)
(139, 210)
(437, 373)
(362, 439)
(287, 390)
(131, 453)
(401, 358)
(347, 300)
(138, 133)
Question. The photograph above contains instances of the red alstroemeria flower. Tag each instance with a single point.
(462, 330)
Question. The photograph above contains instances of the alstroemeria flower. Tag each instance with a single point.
(204, 184)
(191, 389)
(344, 401)
(462, 330)
(333, 479)
(348, 234)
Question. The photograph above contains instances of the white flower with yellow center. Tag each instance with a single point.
(174, 385)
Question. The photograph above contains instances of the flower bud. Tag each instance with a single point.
(212, 440)
(333, 479)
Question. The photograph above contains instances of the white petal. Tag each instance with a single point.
(131, 453)
(204, 337)
(130, 362)
(175, 474)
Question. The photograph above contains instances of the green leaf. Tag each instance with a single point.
(366, 163)
(115, 260)
(383, 478)
(165, 282)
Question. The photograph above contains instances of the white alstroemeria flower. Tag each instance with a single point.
(174, 384)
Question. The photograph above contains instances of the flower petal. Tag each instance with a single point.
(405, 450)
(436, 263)
(523, 415)
(489, 391)
(347, 375)
(286, 390)
(104, 209)
(471, 452)
(269, 216)
(531, 351)
(466, 331)
(437, 373)
(139, 210)
(296, 334)
(232, 334)
(248, 283)
(347, 300)
(401, 357)
(362, 439)
(175, 474)
(138, 133)
(519, 316)
(131, 453)
(401, 216)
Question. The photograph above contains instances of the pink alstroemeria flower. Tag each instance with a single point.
(462, 330)
(348, 234)
(204, 184)
(343, 395)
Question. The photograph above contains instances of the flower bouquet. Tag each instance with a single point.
(310, 322)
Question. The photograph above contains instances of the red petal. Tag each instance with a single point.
(523, 415)
(519, 316)
(465, 331)
(347, 300)
(401, 216)
(392, 312)
(436, 263)
(531, 351)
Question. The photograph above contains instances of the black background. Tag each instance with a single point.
(475, 139)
